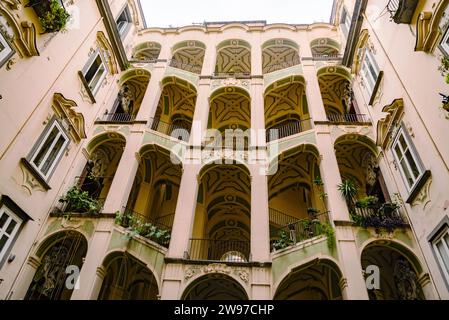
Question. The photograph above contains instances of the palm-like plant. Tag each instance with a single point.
(348, 190)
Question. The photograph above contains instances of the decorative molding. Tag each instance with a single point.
(107, 52)
(24, 38)
(386, 126)
(64, 109)
(241, 272)
(428, 31)
(29, 181)
(359, 49)
(34, 262)
(423, 196)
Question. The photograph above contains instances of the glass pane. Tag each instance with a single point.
(444, 255)
(96, 78)
(53, 154)
(11, 226)
(446, 238)
(412, 164)
(44, 149)
(3, 241)
(93, 69)
(372, 70)
(3, 219)
(398, 151)
(402, 142)
(408, 177)
(2, 47)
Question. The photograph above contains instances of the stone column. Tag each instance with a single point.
(124, 176)
(171, 283)
(331, 174)
(257, 113)
(209, 58)
(89, 284)
(314, 99)
(256, 55)
(427, 287)
(26, 277)
(153, 93)
(185, 212)
(201, 115)
(98, 282)
(261, 284)
(260, 224)
(353, 283)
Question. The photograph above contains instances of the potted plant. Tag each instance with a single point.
(388, 208)
(367, 202)
(284, 241)
(79, 201)
(348, 190)
(52, 14)
(312, 212)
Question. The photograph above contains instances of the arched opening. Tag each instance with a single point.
(370, 203)
(279, 54)
(230, 114)
(324, 48)
(398, 272)
(337, 95)
(222, 226)
(63, 250)
(233, 58)
(215, 287)
(174, 113)
(127, 278)
(286, 108)
(297, 209)
(317, 280)
(188, 56)
(147, 51)
(153, 197)
(133, 85)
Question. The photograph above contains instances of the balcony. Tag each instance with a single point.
(177, 131)
(185, 66)
(235, 75)
(347, 118)
(402, 11)
(288, 129)
(379, 216)
(237, 251)
(116, 118)
(327, 57)
(282, 65)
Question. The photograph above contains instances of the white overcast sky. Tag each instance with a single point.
(178, 13)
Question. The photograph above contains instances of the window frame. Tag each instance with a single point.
(440, 238)
(14, 233)
(87, 67)
(122, 31)
(369, 59)
(345, 21)
(54, 123)
(9, 50)
(444, 43)
(402, 131)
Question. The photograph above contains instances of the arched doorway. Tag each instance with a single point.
(317, 280)
(215, 287)
(398, 271)
(64, 249)
(127, 278)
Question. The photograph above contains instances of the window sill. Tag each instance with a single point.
(376, 88)
(86, 86)
(35, 173)
(418, 186)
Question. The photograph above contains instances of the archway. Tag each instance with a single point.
(233, 57)
(188, 55)
(398, 271)
(61, 250)
(127, 278)
(215, 287)
(279, 54)
(147, 51)
(317, 280)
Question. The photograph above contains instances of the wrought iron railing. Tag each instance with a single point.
(219, 250)
(279, 218)
(130, 216)
(387, 216)
(282, 65)
(236, 75)
(303, 229)
(393, 6)
(326, 57)
(348, 117)
(194, 68)
(288, 129)
(166, 220)
(176, 131)
(117, 117)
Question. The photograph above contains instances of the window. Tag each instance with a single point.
(441, 248)
(444, 45)
(49, 150)
(345, 21)
(407, 159)
(95, 72)
(9, 226)
(370, 72)
(123, 21)
(5, 50)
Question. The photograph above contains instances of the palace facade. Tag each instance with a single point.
(224, 160)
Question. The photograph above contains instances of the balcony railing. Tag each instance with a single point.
(402, 11)
(387, 216)
(287, 129)
(176, 131)
(327, 57)
(282, 65)
(304, 229)
(166, 220)
(236, 75)
(194, 68)
(130, 215)
(219, 250)
(280, 219)
(344, 118)
(117, 117)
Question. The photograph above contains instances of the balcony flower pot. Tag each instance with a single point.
(312, 212)
(52, 14)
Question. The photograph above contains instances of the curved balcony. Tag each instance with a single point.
(288, 129)
(219, 250)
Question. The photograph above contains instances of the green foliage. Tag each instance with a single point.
(358, 219)
(283, 242)
(137, 226)
(367, 202)
(318, 182)
(348, 190)
(54, 19)
(328, 231)
(79, 201)
(444, 68)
